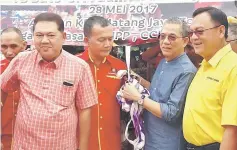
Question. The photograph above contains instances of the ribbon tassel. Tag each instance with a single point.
(134, 109)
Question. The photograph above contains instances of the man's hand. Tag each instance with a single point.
(130, 92)
(141, 80)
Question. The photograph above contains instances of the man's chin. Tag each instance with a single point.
(47, 56)
(9, 58)
(105, 54)
(198, 51)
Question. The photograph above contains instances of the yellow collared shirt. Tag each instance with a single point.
(212, 99)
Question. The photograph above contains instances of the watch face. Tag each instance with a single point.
(140, 101)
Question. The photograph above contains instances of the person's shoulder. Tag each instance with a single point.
(187, 65)
(228, 62)
(116, 62)
(231, 57)
(81, 55)
(74, 58)
(25, 55)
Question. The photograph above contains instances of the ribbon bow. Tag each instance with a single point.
(135, 111)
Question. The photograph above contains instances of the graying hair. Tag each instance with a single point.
(232, 31)
(184, 26)
(13, 29)
(91, 21)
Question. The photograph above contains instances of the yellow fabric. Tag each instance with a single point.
(212, 99)
(232, 19)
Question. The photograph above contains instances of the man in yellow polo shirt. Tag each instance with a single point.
(210, 115)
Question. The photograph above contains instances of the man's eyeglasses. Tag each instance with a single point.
(171, 37)
(200, 32)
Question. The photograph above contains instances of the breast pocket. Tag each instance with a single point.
(66, 95)
(212, 94)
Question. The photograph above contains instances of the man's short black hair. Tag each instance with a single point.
(51, 17)
(217, 16)
(91, 21)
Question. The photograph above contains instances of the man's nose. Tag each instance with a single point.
(108, 43)
(45, 39)
(9, 52)
(193, 36)
(166, 40)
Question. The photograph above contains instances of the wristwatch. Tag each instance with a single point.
(141, 100)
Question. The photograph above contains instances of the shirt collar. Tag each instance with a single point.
(56, 62)
(176, 58)
(218, 56)
(93, 61)
(85, 55)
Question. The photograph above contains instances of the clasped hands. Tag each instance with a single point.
(129, 91)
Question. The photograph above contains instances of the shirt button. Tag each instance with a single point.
(97, 69)
(101, 117)
(99, 92)
(98, 80)
(15, 103)
(15, 115)
(100, 128)
(100, 104)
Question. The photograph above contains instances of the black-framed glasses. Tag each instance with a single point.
(171, 37)
(200, 32)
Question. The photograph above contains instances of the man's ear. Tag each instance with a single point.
(222, 31)
(64, 36)
(86, 41)
(186, 40)
(24, 45)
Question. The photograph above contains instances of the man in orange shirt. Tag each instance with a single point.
(11, 44)
(105, 129)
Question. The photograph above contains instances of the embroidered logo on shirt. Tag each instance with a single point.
(210, 78)
(112, 74)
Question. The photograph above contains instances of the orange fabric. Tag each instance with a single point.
(105, 124)
(9, 111)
